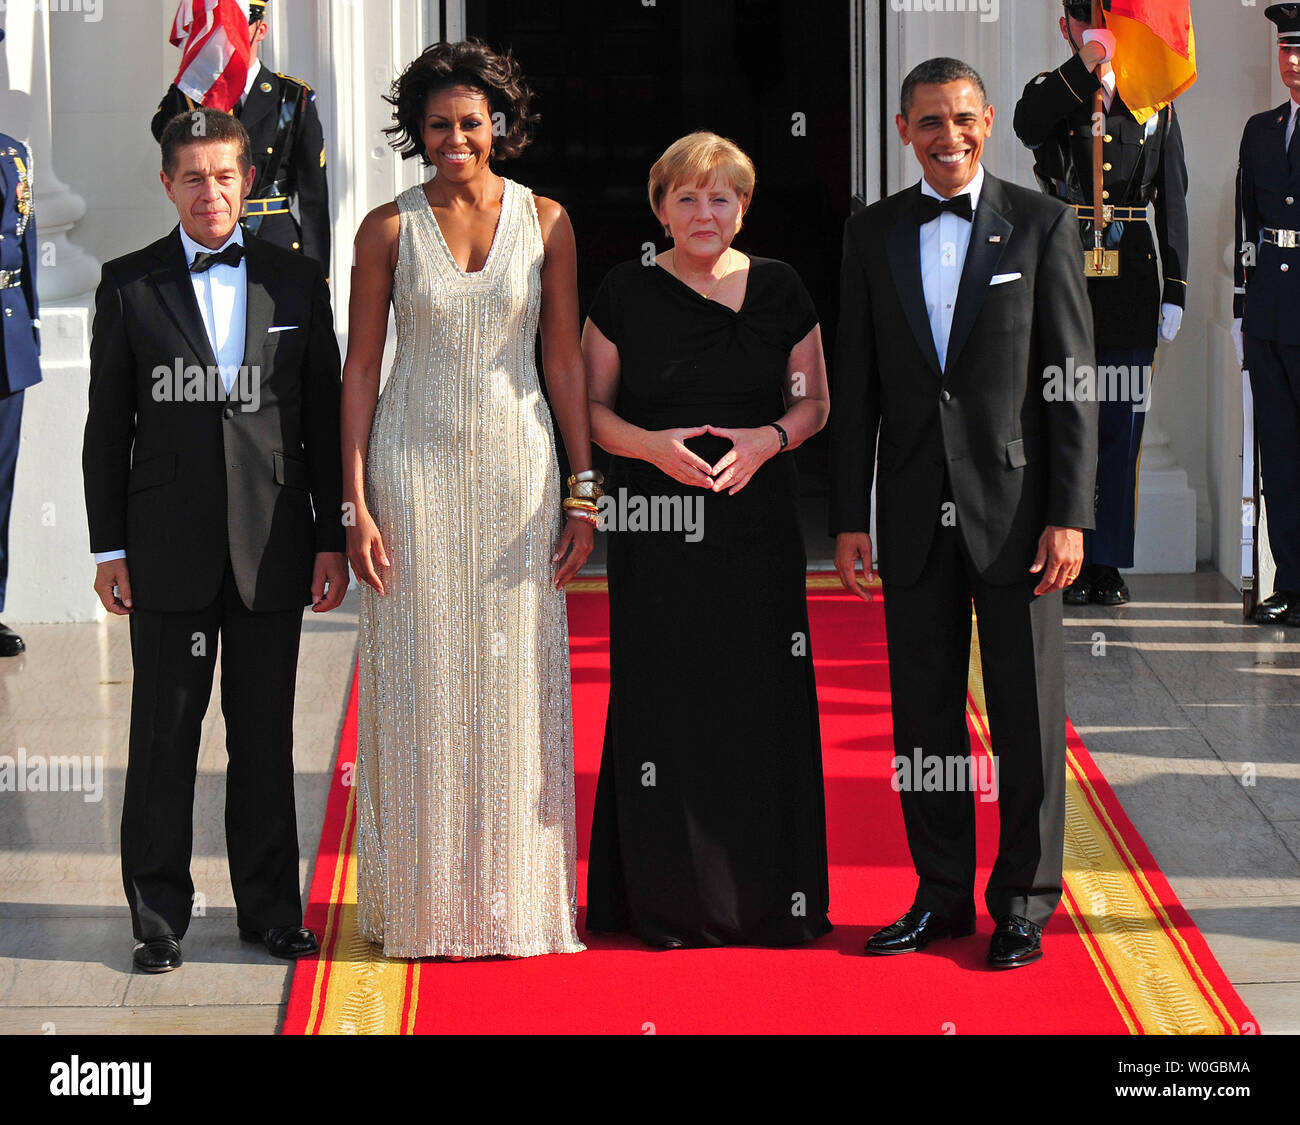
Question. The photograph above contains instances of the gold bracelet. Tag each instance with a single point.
(572, 504)
(587, 475)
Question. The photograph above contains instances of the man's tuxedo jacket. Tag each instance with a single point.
(1017, 460)
(182, 485)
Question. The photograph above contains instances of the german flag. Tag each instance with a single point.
(1155, 52)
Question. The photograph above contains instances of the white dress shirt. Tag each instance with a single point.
(944, 242)
(222, 295)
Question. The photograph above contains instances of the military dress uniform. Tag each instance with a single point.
(1144, 163)
(288, 144)
(20, 332)
(1267, 301)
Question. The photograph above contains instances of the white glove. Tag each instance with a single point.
(1238, 342)
(1171, 320)
(1105, 38)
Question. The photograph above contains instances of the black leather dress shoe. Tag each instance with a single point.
(1108, 587)
(158, 955)
(1079, 592)
(289, 942)
(1016, 941)
(11, 644)
(918, 928)
(1273, 610)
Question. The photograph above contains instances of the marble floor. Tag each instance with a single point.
(1193, 716)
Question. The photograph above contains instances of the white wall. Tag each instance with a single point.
(109, 72)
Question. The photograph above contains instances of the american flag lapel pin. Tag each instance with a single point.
(995, 238)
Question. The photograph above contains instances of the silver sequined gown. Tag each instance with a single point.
(465, 794)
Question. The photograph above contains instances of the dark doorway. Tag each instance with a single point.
(617, 83)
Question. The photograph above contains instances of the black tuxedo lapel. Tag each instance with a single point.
(261, 306)
(982, 260)
(903, 246)
(172, 281)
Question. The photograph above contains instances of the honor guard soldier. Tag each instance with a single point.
(1143, 163)
(20, 334)
(1266, 308)
(288, 152)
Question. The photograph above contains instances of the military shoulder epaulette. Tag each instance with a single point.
(295, 81)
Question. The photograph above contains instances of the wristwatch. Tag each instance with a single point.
(785, 438)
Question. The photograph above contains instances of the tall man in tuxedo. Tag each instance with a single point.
(213, 488)
(964, 319)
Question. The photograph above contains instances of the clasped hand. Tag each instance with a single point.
(750, 448)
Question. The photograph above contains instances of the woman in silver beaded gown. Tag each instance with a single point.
(465, 793)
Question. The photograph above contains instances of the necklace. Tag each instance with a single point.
(713, 288)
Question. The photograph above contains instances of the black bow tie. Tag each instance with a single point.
(932, 208)
(232, 255)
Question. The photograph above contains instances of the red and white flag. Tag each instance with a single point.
(214, 41)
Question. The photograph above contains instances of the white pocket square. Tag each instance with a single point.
(294, 327)
(1004, 278)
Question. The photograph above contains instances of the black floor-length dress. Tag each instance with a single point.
(710, 823)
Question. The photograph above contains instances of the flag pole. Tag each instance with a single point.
(1098, 174)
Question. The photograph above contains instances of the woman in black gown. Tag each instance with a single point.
(705, 370)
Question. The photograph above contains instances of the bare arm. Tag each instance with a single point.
(375, 259)
(566, 378)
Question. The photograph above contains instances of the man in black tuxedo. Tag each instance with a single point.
(964, 326)
(213, 489)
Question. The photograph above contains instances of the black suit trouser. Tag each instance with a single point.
(1275, 385)
(928, 628)
(174, 655)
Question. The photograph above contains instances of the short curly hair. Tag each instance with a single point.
(469, 63)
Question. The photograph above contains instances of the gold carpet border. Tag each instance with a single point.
(367, 992)
(1138, 952)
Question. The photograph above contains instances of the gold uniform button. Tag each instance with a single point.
(269, 151)
(1107, 166)
(266, 87)
(1105, 195)
(1108, 138)
(1072, 132)
(297, 246)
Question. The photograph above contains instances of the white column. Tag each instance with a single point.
(66, 270)
(51, 572)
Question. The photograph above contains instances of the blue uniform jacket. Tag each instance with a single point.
(20, 365)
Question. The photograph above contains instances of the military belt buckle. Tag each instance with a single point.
(10, 280)
(1287, 239)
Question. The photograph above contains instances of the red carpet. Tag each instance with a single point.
(1121, 956)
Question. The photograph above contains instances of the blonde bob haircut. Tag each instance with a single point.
(696, 159)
